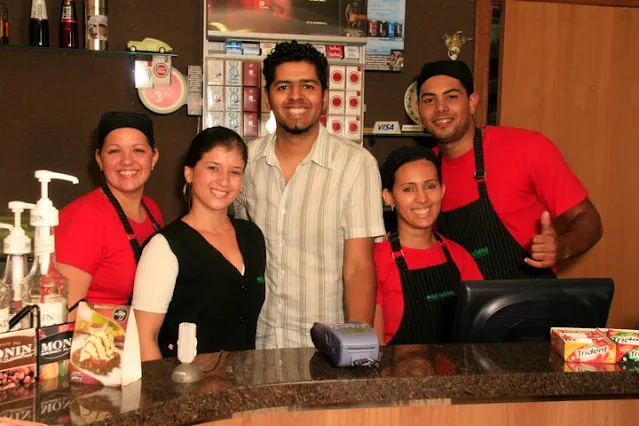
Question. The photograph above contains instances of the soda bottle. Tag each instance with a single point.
(68, 25)
(39, 24)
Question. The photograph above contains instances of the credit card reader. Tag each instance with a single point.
(347, 345)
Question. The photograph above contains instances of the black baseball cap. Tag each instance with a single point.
(455, 69)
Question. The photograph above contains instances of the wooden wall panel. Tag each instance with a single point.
(570, 71)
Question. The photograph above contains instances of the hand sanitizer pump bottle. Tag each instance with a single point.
(16, 246)
(45, 285)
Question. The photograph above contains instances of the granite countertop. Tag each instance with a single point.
(303, 379)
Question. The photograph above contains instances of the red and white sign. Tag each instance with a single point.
(166, 99)
(337, 77)
(354, 78)
(336, 102)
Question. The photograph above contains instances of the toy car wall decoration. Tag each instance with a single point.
(149, 45)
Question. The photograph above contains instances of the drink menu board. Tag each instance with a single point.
(255, 18)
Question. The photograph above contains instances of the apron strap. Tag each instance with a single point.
(480, 171)
(397, 253)
(135, 245)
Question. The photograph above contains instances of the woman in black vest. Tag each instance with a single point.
(418, 271)
(204, 268)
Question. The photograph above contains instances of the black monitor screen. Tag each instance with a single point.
(524, 310)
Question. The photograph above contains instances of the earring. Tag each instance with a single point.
(392, 208)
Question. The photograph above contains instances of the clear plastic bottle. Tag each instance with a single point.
(45, 286)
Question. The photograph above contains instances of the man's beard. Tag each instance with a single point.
(295, 130)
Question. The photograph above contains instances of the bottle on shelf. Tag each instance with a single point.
(4, 24)
(69, 25)
(97, 24)
(16, 246)
(39, 24)
(45, 286)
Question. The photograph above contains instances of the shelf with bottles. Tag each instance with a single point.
(83, 51)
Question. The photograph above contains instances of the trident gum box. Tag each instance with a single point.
(627, 343)
(587, 345)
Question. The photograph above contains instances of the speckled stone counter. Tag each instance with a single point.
(301, 378)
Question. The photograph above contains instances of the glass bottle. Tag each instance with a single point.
(97, 24)
(45, 285)
(4, 24)
(68, 25)
(39, 24)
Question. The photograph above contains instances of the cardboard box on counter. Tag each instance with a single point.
(587, 345)
(627, 343)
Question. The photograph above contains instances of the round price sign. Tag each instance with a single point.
(165, 99)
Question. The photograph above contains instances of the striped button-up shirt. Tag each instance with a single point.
(335, 194)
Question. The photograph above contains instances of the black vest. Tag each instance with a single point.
(211, 292)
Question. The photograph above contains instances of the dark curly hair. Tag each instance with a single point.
(295, 52)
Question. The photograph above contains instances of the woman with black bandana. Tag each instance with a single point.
(418, 271)
(99, 237)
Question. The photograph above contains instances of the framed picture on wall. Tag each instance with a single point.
(303, 19)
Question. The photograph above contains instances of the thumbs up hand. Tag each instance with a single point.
(546, 248)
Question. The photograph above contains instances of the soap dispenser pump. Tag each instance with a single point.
(16, 246)
(45, 286)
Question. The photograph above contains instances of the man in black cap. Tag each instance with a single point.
(505, 186)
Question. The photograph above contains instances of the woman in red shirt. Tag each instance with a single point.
(99, 237)
(418, 271)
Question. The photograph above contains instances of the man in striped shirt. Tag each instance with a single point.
(317, 199)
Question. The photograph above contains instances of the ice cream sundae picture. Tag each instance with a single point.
(98, 354)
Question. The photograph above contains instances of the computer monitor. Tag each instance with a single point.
(524, 310)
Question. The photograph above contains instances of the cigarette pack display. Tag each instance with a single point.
(233, 73)
(354, 78)
(321, 48)
(214, 118)
(214, 72)
(353, 127)
(335, 51)
(335, 125)
(337, 77)
(336, 103)
(353, 102)
(233, 98)
(251, 99)
(251, 125)
(215, 98)
(233, 121)
(351, 52)
(251, 74)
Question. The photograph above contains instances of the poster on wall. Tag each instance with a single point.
(385, 32)
(310, 18)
